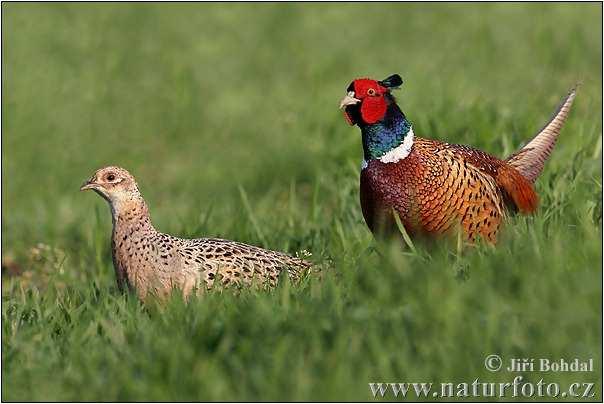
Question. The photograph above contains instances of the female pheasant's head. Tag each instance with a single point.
(367, 100)
(114, 184)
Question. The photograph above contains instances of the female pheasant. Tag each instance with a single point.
(437, 187)
(150, 262)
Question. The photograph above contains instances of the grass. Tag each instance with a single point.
(227, 115)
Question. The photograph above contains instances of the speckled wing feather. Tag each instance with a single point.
(150, 262)
(234, 263)
(530, 159)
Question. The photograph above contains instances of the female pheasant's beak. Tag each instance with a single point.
(89, 184)
(96, 187)
(349, 100)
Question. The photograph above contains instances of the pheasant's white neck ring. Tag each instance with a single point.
(401, 151)
(398, 153)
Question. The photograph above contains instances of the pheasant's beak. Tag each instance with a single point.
(86, 186)
(349, 100)
(89, 184)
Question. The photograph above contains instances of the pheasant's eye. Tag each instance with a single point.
(371, 92)
(110, 177)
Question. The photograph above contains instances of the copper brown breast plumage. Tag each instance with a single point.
(436, 187)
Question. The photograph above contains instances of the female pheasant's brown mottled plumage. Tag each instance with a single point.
(435, 187)
(150, 262)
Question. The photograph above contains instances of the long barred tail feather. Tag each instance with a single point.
(530, 159)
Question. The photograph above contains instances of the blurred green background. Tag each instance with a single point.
(227, 116)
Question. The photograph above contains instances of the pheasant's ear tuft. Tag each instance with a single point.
(393, 81)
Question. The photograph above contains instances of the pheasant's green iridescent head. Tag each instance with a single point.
(367, 100)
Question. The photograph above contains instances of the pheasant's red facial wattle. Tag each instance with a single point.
(373, 109)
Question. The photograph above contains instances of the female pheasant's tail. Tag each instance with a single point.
(530, 159)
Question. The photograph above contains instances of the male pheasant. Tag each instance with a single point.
(150, 262)
(433, 186)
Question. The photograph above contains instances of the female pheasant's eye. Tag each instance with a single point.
(371, 92)
(110, 177)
